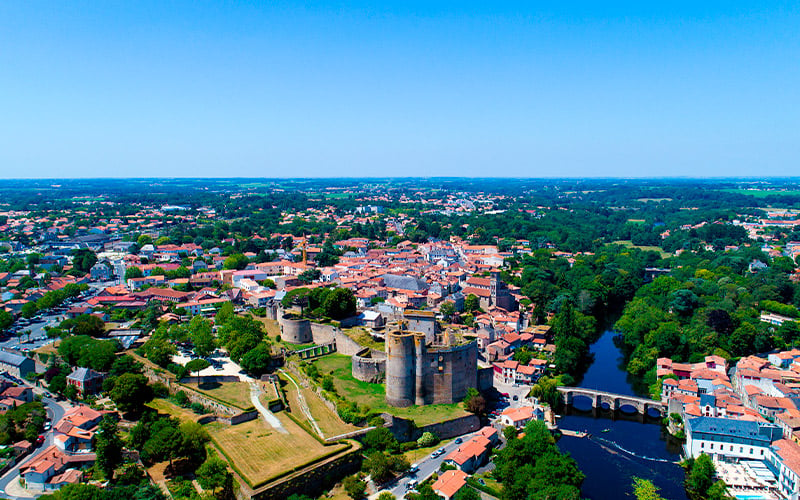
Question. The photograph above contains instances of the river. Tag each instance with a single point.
(627, 448)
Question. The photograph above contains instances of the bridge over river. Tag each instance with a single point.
(609, 400)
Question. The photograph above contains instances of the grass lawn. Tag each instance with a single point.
(363, 337)
(260, 452)
(374, 395)
(329, 422)
(629, 244)
(170, 408)
(414, 456)
(234, 393)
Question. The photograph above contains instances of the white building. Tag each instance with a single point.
(724, 438)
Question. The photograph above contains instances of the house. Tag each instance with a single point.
(86, 380)
(517, 417)
(726, 438)
(47, 465)
(74, 432)
(372, 319)
(16, 365)
(450, 483)
(21, 394)
(470, 455)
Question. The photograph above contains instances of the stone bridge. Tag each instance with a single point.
(611, 401)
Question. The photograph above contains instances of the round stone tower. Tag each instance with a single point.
(401, 368)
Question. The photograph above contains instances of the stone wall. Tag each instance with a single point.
(485, 378)
(405, 430)
(368, 367)
(295, 331)
(323, 334)
(312, 481)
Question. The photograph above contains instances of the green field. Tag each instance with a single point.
(261, 453)
(233, 393)
(629, 244)
(374, 395)
(328, 421)
(171, 409)
(763, 193)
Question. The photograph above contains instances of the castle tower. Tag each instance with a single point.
(400, 368)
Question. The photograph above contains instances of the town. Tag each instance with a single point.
(383, 341)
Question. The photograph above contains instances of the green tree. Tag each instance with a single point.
(467, 493)
(133, 273)
(644, 489)
(83, 260)
(213, 474)
(380, 439)
(447, 309)
(354, 487)
(471, 303)
(427, 439)
(29, 310)
(108, 446)
(235, 261)
(131, 392)
(701, 476)
(201, 336)
(258, 360)
(6, 320)
(224, 314)
(339, 304)
(474, 402)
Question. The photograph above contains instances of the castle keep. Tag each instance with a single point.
(421, 373)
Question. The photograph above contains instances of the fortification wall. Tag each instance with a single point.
(368, 368)
(295, 331)
(323, 334)
(405, 430)
(450, 372)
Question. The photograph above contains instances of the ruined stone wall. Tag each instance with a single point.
(367, 367)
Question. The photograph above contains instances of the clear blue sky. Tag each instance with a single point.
(282, 89)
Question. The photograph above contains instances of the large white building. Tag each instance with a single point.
(725, 438)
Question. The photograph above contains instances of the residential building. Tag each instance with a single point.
(16, 365)
(86, 380)
(450, 483)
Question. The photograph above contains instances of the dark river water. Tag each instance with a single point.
(628, 447)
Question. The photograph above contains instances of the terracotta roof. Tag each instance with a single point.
(450, 482)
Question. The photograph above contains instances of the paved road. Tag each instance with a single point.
(427, 466)
(55, 411)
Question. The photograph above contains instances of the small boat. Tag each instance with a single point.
(605, 430)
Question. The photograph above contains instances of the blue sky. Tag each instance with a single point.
(285, 89)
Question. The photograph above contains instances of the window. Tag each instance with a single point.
(711, 446)
(751, 450)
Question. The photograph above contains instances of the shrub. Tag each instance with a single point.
(427, 439)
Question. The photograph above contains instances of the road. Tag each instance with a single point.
(427, 466)
(55, 411)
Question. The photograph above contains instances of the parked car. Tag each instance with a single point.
(40, 440)
(459, 440)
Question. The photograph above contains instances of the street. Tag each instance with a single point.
(55, 411)
(427, 466)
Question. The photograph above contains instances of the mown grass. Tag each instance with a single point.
(234, 393)
(374, 395)
(260, 452)
(328, 421)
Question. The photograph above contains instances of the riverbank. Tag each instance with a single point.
(618, 450)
